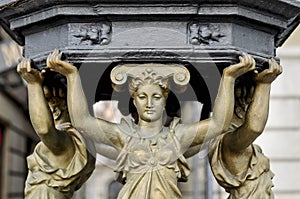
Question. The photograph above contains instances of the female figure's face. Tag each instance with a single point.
(149, 102)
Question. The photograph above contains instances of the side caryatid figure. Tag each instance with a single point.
(150, 156)
(238, 165)
(64, 159)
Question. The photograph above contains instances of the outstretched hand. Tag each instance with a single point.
(55, 63)
(247, 63)
(29, 74)
(269, 75)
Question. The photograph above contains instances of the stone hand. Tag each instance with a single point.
(247, 63)
(267, 76)
(55, 63)
(29, 74)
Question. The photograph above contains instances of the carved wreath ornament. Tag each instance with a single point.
(91, 34)
(204, 34)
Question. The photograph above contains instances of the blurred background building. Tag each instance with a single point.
(279, 141)
(17, 137)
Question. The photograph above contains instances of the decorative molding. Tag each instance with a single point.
(179, 73)
(204, 34)
(90, 34)
(142, 9)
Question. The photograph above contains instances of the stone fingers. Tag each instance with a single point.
(28, 65)
(49, 61)
(270, 74)
(253, 63)
(249, 62)
(20, 67)
(53, 60)
(28, 73)
(55, 63)
(276, 68)
(24, 66)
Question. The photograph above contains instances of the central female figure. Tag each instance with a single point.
(150, 156)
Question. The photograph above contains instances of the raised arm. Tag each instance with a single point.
(40, 115)
(224, 105)
(257, 113)
(99, 130)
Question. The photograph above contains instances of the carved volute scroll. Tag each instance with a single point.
(179, 74)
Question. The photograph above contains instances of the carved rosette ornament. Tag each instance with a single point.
(162, 72)
(91, 34)
(204, 34)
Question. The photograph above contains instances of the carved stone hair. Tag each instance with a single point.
(56, 85)
(149, 77)
(243, 93)
(55, 80)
